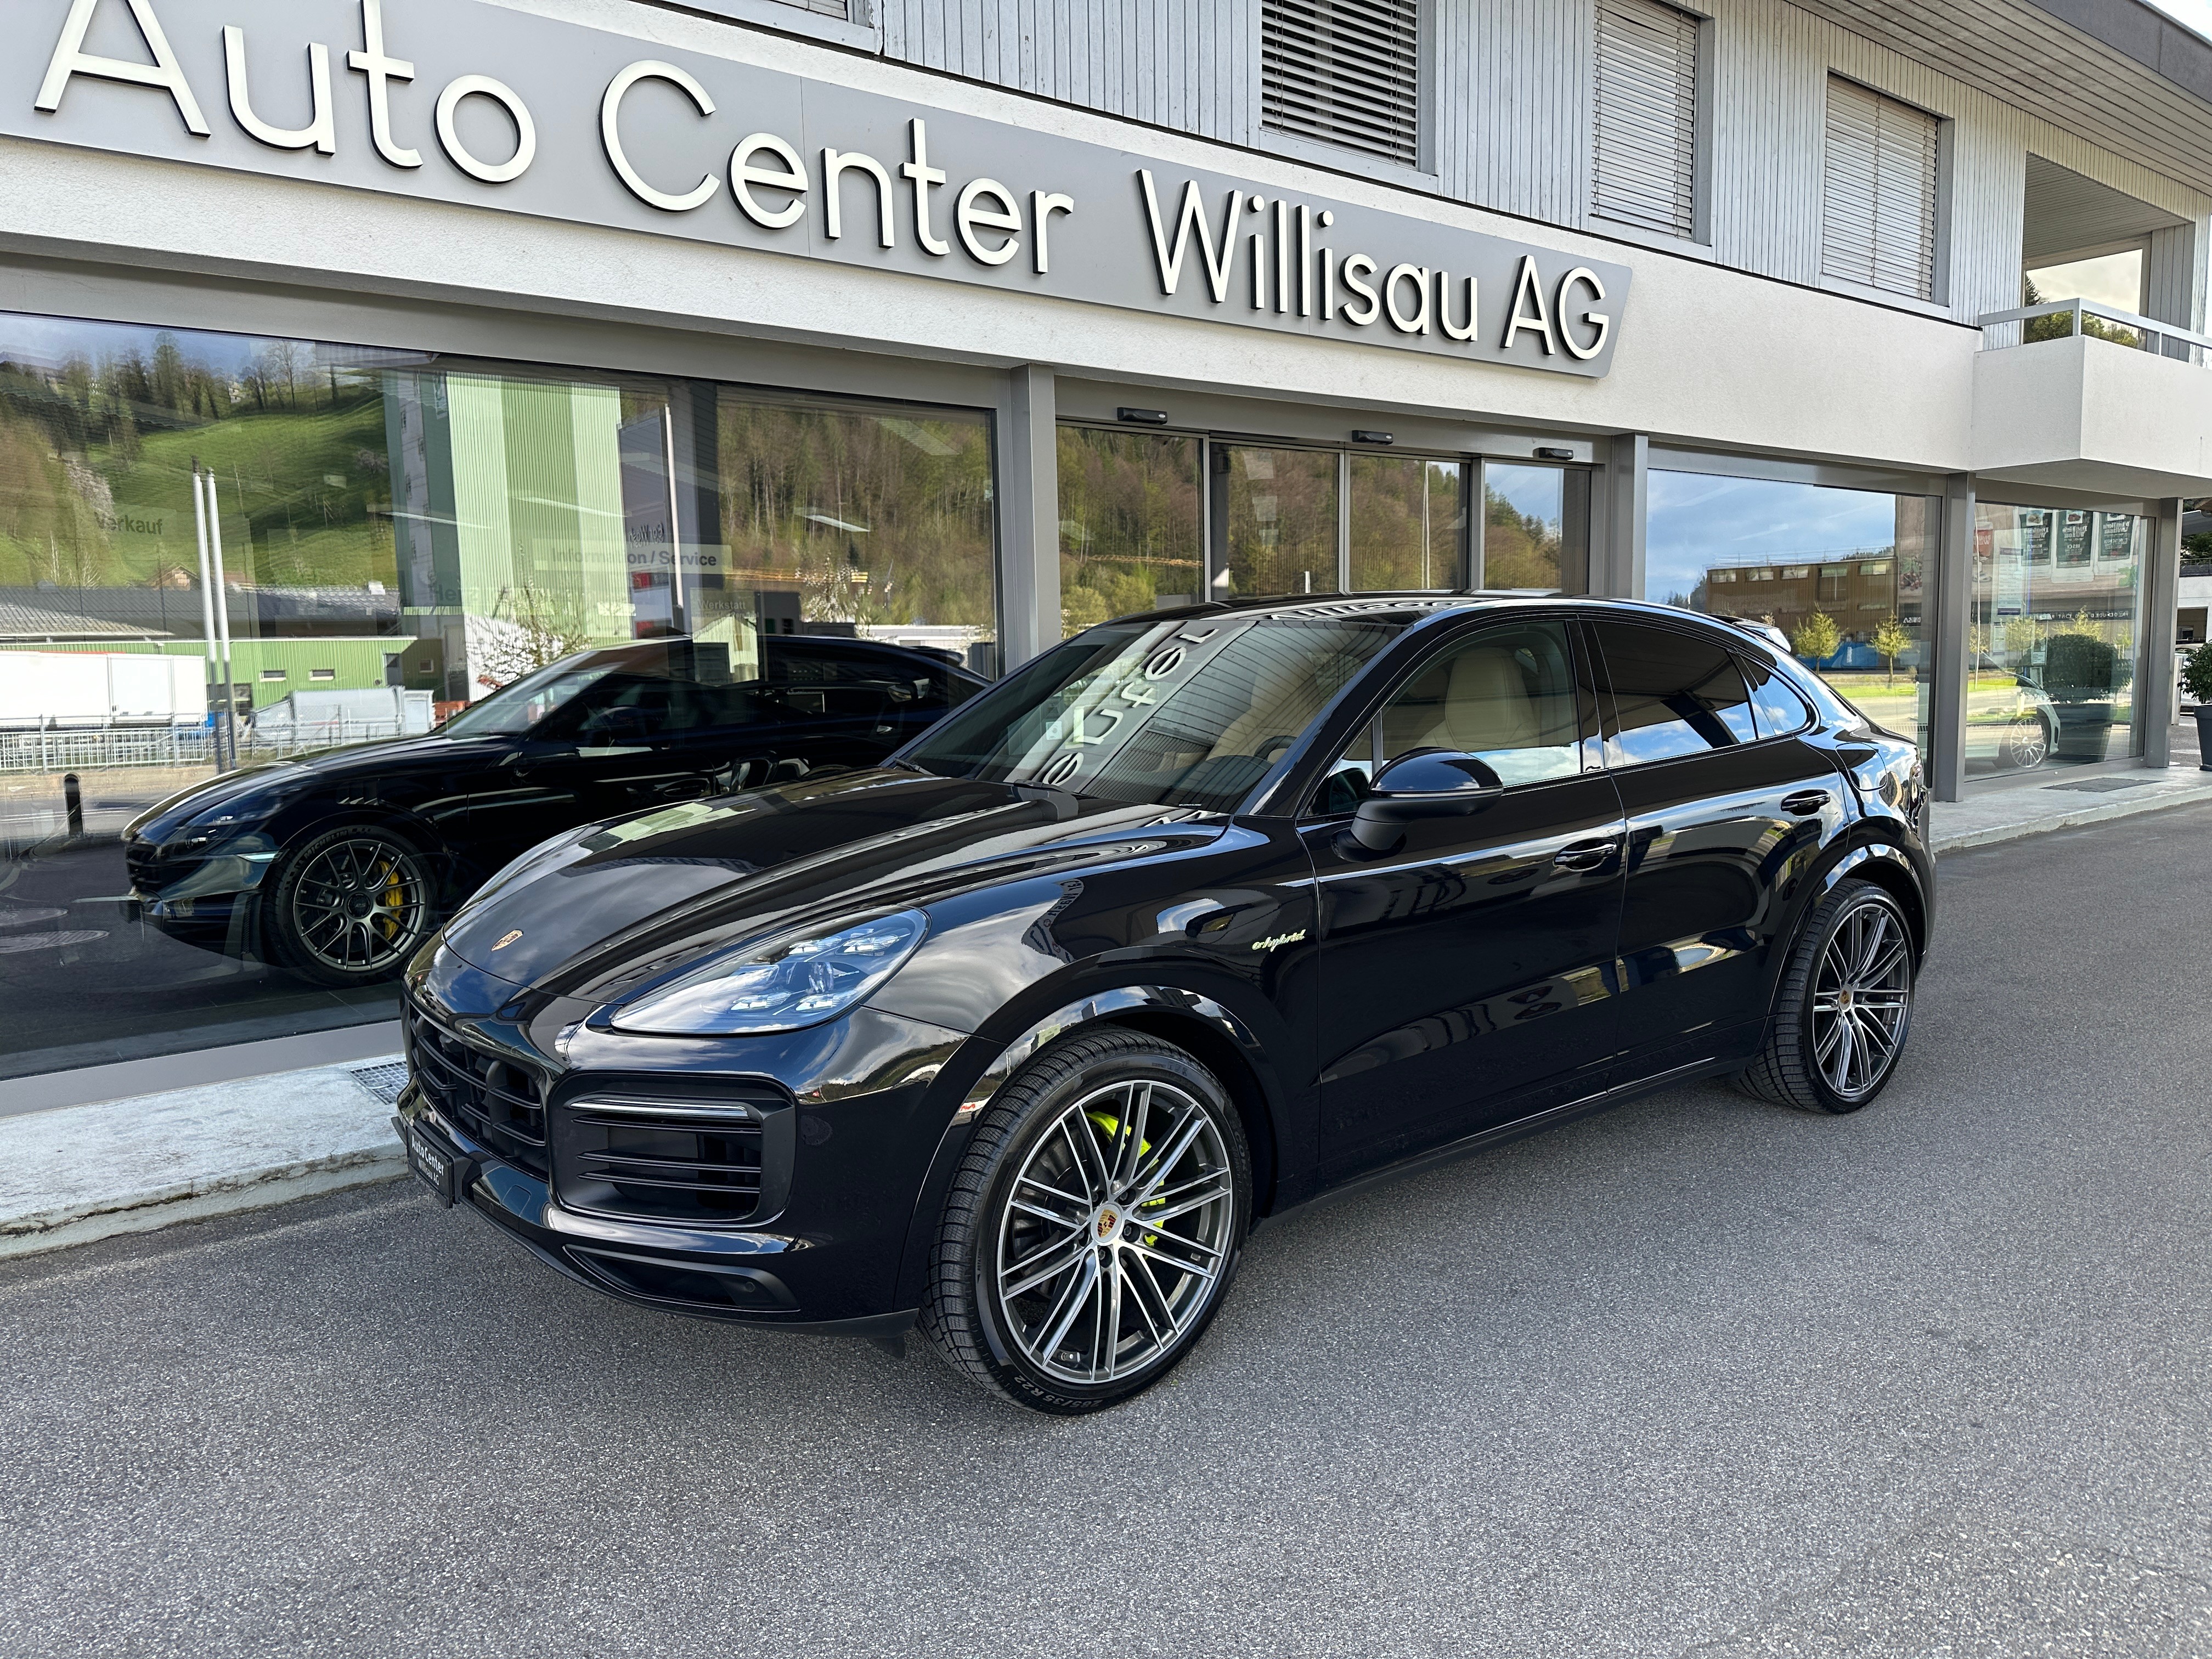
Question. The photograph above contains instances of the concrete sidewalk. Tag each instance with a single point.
(72, 1174)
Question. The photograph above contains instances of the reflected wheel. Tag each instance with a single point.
(351, 907)
(2026, 742)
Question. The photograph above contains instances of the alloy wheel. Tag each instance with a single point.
(2027, 742)
(361, 905)
(1862, 1000)
(1117, 1233)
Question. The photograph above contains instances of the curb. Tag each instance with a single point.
(75, 1174)
(1990, 835)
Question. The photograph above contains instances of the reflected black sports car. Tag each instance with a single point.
(1189, 922)
(338, 867)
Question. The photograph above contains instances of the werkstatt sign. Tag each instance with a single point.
(457, 101)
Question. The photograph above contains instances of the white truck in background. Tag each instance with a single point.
(92, 691)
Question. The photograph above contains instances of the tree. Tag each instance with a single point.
(543, 628)
(1817, 638)
(1890, 641)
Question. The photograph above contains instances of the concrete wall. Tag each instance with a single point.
(2082, 413)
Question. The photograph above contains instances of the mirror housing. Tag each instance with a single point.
(1428, 783)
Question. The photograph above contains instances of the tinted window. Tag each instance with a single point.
(1780, 710)
(1672, 695)
(1506, 695)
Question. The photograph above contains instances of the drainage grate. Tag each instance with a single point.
(385, 1082)
(2103, 785)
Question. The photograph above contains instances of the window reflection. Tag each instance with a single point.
(1842, 572)
(1275, 521)
(1535, 529)
(2057, 606)
(1131, 524)
(1406, 522)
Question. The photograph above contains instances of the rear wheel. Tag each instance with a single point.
(1093, 1227)
(351, 906)
(2026, 742)
(1846, 1006)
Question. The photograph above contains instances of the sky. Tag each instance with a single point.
(2191, 14)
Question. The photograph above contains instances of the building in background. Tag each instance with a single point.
(516, 328)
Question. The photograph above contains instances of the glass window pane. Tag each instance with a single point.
(1407, 521)
(2056, 614)
(1535, 528)
(1507, 696)
(867, 521)
(1779, 709)
(1841, 572)
(1131, 524)
(1672, 696)
(1275, 519)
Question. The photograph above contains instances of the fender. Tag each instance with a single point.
(1867, 842)
(991, 1065)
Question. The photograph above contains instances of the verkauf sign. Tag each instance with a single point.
(457, 101)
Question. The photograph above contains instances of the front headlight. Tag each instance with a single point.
(781, 985)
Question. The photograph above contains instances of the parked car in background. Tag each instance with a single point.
(1187, 922)
(338, 867)
(2009, 719)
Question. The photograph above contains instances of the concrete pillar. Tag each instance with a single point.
(1947, 617)
(2161, 591)
(1029, 515)
(1617, 542)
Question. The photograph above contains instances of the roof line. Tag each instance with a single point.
(2144, 35)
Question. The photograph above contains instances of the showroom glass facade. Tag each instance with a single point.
(399, 534)
(1843, 573)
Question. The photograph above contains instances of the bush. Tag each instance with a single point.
(2077, 663)
(2196, 674)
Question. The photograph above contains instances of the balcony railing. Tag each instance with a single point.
(2001, 329)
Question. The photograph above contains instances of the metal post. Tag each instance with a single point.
(2161, 591)
(1028, 443)
(207, 601)
(1617, 566)
(1476, 490)
(1947, 618)
(229, 723)
(73, 804)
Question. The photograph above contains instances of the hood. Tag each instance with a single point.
(240, 788)
(640, 894)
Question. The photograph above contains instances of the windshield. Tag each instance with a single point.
(515, 709)
(1159, 712)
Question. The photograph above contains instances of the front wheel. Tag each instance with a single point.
(351, 906)
(2026, 742)
(1093, 1227)
(1846, 1006)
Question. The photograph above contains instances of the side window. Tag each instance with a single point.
(1780, 710)
(1506, 695)
(1341, 791)
(1672, 695)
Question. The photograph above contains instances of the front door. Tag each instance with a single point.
(1723, 814)
(1465, 974)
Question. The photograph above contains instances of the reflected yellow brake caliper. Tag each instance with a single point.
(394, 900)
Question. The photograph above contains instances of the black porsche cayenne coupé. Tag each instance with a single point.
(338, 867)
(1192, 919)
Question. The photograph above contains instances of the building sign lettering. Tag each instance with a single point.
(468, 103)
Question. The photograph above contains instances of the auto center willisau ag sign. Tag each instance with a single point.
(460, 101)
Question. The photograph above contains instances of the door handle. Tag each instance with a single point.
(1805, 802)
(1586, 854)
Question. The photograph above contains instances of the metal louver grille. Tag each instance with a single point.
(1646, 138)
(1878, 215)
(841, 10)
(1345, 72)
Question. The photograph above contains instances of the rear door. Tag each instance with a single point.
(1721, 821)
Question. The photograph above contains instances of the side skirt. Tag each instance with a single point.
(1536, 1123)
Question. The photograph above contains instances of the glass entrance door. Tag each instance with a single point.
(1276, 524)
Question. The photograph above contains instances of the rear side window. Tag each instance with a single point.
(1780, 711)
(1672, 695)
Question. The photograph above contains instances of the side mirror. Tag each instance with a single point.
(1429, 783)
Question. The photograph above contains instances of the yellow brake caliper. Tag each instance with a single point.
(1112, 1126)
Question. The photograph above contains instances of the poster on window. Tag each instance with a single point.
(2074, 545)
(2035, 538)
(2116, 538)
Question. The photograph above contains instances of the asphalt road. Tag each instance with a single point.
(1698, 1377)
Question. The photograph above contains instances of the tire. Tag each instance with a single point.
(351, 906)
(1020, 1295)
(1857, 942)
(2027, 742)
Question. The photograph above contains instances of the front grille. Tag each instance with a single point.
(492, 1101)
(662, 1160)
(153, 867)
